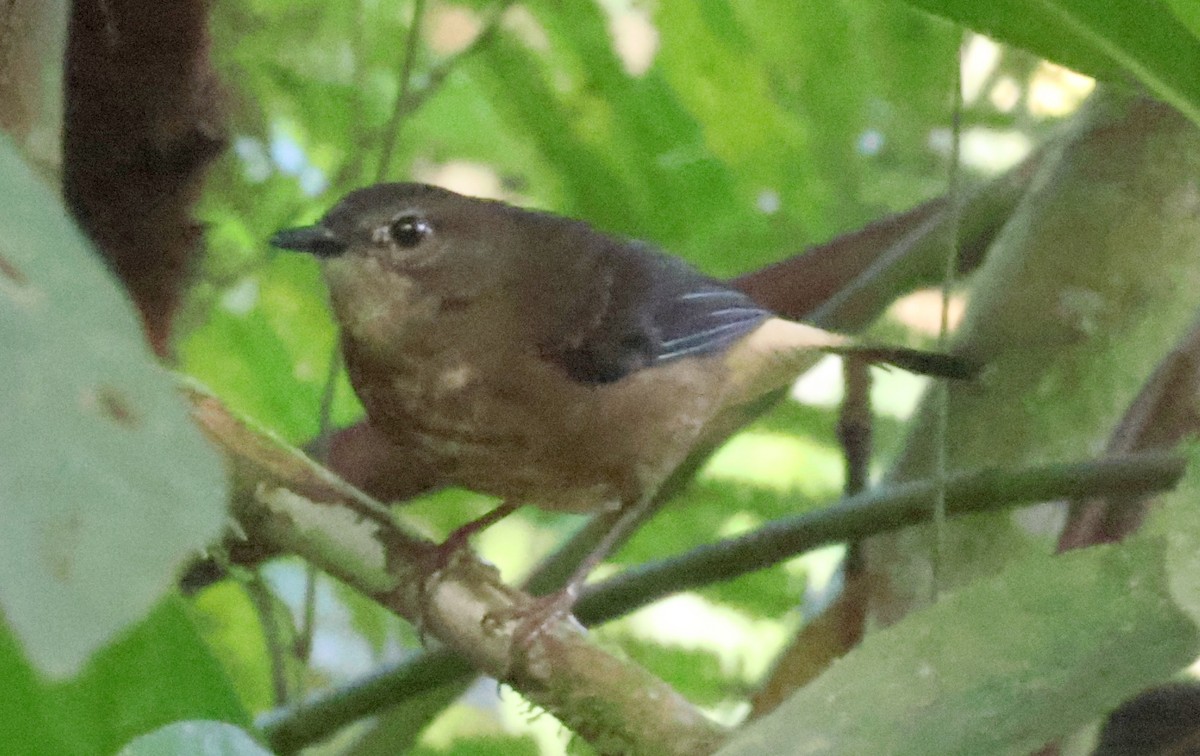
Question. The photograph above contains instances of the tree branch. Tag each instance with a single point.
(142, 121)
(872, 513)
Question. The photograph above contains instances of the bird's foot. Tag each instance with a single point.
(439, 558)
(534, 620)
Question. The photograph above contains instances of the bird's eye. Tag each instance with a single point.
(409, 230)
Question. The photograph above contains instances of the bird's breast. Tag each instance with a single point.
(493, 417)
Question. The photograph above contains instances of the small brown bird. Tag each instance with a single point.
(529, 356)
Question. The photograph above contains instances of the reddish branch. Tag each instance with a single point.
(1165, 412)
(142, 121)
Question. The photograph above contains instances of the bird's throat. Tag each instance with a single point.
(377, 306)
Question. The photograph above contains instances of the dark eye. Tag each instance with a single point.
(409, 230)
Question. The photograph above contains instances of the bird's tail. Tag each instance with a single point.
(917, 361)
(779, 351)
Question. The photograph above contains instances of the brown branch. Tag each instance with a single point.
(870, 513)
(846, 283)
(1165, 412)
(142, 122)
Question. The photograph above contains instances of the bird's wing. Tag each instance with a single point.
(639, 308)
(695, 315)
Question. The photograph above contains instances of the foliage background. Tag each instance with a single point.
(732, 133)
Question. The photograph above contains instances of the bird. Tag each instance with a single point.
(529, 356)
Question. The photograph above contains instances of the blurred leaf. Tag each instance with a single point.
(1188, 13)
(241, 358)
(1003, 666)
(198, 738)
(437, 514)
(696, 673)
(481, 746)
(1110, 40)
(265, 349)
(783, 462)
(106, 486)
(231, 626)
(767, 593)
(670, 180)
(25, 720)
(704, 510)
(375, 624)
(158, 673)
(535, 110)
(397, 729)
(1177, 520)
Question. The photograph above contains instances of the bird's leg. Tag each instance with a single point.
(460, 538)
(546, 610)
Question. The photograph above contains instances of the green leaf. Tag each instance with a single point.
(699, 674)
(232, 628)
(105, 484)
(1003, 666)
(158, 673)
(1177, 521)
(398, 729)
(1188, 12)
(198, 738)
(265, 348)
(1107, 40)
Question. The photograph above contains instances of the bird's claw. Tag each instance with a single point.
(533, 620)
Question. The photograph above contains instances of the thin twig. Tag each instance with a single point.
(319, 452)
(433, 80)
(870, 514)
(288, 729)
(401, 106)
(854, 423)
(264, 606)
(854, 432)
(942, 390)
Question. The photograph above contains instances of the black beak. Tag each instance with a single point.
(315, 240)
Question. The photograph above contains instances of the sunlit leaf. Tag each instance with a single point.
(106, 487)
(1115, 40)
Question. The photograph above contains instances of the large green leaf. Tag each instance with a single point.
(157, 673)
(105, 484)
(1188, 12)
(1110, 40)
(1003, 666)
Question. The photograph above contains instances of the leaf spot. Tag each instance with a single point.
(12, 272)
(60, 542)
(114, 405)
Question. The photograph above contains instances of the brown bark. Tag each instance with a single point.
(142, 122)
